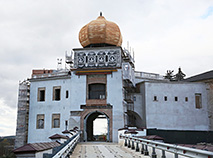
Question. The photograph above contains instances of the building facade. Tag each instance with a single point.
(102, 82)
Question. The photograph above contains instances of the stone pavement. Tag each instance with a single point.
(104, 150)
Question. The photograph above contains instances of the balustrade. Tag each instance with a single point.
(165, 148)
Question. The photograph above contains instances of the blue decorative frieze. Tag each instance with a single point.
(99, 58)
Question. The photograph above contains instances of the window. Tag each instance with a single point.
(41, 94)
(186, 99)
(56, 121)
(40, 121)
(165, 98)
(97, 91)
(155, 98)
(176, 98)
(198, 100)
(67, 94)
(57, 93)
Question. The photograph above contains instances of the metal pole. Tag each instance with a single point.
(163, 154)
(125, 144)
(146, 152)
(133, 145)
(129, 146)
(153, 153)
(142, 149)
(137, 147)
(176, 155)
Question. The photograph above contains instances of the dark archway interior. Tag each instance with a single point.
(90, 127)
(134, 119)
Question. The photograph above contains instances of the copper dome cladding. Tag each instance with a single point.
(100, 31)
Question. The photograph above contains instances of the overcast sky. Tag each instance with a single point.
(165, 35)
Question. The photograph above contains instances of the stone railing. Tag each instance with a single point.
(162, 150)
(65, 149)
(54, 74)
(148, 75)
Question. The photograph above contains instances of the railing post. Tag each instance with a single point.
(163, 154)
(142, 149)
(146, 152)
(137, 147)
(164, 147)
(70, 152)
(125, 144)
(129, 146)
(68, 155)
(133, 145)
(153, 153)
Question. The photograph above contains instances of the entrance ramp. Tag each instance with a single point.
(103, 150)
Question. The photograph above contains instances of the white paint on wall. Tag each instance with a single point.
(171, 114)
(77, 96)
(115, 98)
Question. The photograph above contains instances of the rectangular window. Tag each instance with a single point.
(165, 98)
(97, 91)
(134, 98)
(176, 98)
(57, 93)
(198, 100)
(40, 121)
(41, 94)
(155, 98)
(67, 94)
(186, 99)
(55, 120)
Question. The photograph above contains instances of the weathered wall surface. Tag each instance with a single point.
(175, 115)
(22, 116)
(210, 103)
(49, 107)
(70, 108)
(115, 98)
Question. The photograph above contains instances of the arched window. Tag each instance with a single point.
(97, 91)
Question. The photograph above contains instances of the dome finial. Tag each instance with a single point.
(100, 13)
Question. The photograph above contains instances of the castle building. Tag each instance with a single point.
(102, 82)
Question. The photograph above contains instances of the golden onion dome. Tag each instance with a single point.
(100, 32)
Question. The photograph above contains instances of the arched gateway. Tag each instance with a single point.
(89, 126)
(87, 123)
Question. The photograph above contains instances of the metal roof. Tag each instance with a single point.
(201, 77)
(58, 136)
(36, 147)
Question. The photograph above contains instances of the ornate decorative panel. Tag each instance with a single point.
(99, 58)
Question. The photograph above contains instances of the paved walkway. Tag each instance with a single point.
(104, 150)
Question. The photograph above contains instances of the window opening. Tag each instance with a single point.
(165, 98)
(97, 91)
(198, 101)
(176, 98)
(134, 98)
(41, 94)
(186, 99)
(155, 98)
(56, 121)
(67, 94)
(56, 93)
(40, 121)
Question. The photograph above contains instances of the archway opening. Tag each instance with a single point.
(134, 119)
(97, 127)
